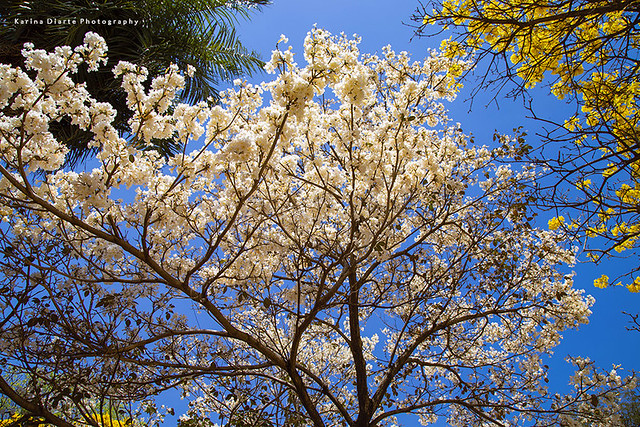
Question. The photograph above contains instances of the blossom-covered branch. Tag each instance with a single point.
(335, 252)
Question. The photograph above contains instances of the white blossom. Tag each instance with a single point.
(331, 248)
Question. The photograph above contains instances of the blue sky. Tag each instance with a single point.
(605, 339)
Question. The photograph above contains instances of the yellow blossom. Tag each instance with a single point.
(602, 282)
(555, 223)
(584, 184)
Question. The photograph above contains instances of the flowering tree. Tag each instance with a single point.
(336, 254)
(586, 51)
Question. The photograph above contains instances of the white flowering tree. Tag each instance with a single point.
(333, 253)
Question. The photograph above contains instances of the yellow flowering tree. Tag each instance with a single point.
(105, 420)
(586, 52)
(18, 411)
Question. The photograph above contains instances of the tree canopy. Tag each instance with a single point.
(587, 53)
(333, 252)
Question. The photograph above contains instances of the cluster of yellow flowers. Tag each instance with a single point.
(581, 45)
(17, 416)
(556, 222)
(104, 420)
(603, 282)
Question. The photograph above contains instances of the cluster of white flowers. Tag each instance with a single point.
(293, 224)
(50, 96)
